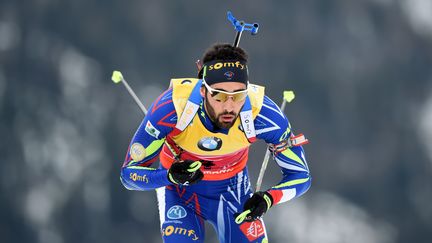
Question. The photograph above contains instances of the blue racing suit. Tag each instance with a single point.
(224, 188)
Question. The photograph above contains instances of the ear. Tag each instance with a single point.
(202, 91)
(199, 64)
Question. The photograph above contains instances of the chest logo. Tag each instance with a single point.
(210, 143)
(176, 212)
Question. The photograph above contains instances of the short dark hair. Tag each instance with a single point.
(223, 51)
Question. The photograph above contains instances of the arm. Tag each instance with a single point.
(273, 127)
(146, 144)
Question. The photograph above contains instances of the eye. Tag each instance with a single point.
(219, 97)
(216, 96)
(214, 93)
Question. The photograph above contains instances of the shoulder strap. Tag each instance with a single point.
(187, 98)
(250, 110)
(247, 121)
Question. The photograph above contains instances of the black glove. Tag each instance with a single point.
(185, 172)
(258, 204)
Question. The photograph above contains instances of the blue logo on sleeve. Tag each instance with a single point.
(176, 212)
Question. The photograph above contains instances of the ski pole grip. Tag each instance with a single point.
(117, 76)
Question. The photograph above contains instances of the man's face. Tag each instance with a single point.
(223, 113)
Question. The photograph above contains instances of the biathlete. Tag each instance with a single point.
(200, 130)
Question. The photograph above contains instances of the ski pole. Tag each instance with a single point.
(288, 96)
(117, 77)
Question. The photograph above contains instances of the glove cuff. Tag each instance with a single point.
(268, 199)
(171, 179)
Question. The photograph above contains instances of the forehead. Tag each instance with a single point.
(229, 86)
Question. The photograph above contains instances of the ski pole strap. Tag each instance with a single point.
(175, 150)
(293, 141)
(298, 140)
(194, 166)
(241, 217)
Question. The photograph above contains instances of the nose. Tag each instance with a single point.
(229, 104)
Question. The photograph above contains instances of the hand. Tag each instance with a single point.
(255, 207)
(185, 172)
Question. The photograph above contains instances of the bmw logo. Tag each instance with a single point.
(210, 143)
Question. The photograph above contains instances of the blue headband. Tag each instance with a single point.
(218, 71)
